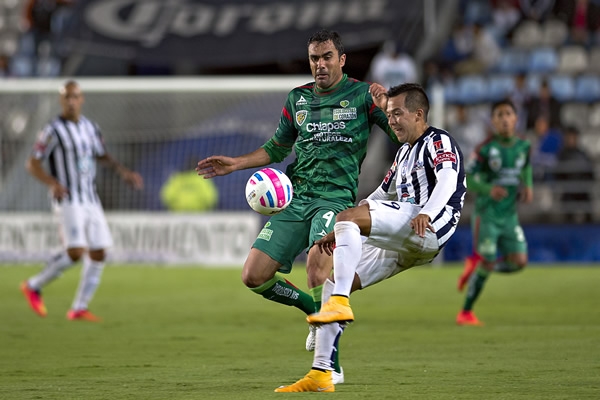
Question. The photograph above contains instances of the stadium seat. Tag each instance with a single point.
(562, 87)
(533, 83)
(590, 141)
(472, 89)
(500, 86)
(554, 32)
(594, 116)
(21, 66)
(527, 35)
(543, 60)
(450, 92)
(572, 59)
(594, 60)
(512, 61)
(575, 114)
(587, 88)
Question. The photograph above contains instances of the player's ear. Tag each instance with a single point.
(342, 60)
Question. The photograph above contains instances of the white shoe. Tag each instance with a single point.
(337, 377)
(311, 339)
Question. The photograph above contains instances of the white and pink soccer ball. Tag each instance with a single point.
(269, 191)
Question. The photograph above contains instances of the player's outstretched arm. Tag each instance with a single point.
(222, 165)
(130, 177)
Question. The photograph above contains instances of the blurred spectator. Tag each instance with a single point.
(4, 65)
(537, 10)
(505, 16)
(544, 104)
(546, 146)
(486, 53)
(469, 130)
(459, 45)
(392, 66)
(38, 20)
(520, 97)
(575, 171)
(582, 17)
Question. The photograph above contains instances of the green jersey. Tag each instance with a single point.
(499, 162)
(328, 131)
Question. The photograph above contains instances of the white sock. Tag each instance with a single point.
(53, 269)
(88, 283)
(346, 256)
(327, 335)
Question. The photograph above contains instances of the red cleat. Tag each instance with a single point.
(467, 318)
(471, 263)
(34, 298)
(82, 315)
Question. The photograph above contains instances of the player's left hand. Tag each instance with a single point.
(134, 179)
(379, 95)
(327, 243)
(420, 224)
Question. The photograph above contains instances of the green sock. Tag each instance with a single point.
(506, 267)
(316, 293)
(476, 283)
(282, 291)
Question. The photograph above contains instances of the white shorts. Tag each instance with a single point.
(393, 246)
(83, 225)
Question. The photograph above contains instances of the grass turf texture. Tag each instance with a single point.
(190, 333)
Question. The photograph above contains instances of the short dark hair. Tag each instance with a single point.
(416, 97)
(324, 35)
(504, 102)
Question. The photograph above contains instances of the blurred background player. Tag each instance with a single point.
(498, 175)
(327, 123)
(406, 221)
(72, 144)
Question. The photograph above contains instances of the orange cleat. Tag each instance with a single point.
(471, 263)
(34, 297)
(314, 381)
(336, 309)
(467, 318)
(82, 315)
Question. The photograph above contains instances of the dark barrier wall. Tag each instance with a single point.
(547, 243)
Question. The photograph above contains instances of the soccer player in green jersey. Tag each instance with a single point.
(499, 175)
(327, 122)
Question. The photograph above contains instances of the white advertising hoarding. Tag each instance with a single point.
(210, 239)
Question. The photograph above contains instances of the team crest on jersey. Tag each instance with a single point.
(438, 146)
(344, 103)
(301, 116)
(302, 101)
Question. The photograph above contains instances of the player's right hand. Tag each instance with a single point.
(379, 95)
(498, 192)
(58, 191)
(215, 166)
(327, 243)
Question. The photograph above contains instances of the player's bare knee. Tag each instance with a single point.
(97, 255)
(252, 279)
(75, 253)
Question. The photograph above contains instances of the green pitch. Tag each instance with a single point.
(190, 333)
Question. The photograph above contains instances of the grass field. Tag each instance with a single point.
(186, 333)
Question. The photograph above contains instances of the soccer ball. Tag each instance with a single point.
(269, 191)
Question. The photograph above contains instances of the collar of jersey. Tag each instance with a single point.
(322, 92)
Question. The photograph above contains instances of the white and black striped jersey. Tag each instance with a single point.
(71, 149)
(414, 175)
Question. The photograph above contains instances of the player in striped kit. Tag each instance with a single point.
(404, 223)
(72, 143)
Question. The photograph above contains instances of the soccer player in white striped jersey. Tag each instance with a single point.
(72, 144)
(404, 223)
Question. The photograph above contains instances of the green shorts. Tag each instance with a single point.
(493, 238)
(296, 228)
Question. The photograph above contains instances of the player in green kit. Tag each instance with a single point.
(499, 175)
(327, 123)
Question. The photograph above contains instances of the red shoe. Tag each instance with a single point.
(467, 318)
(470, 266)
(82, 315)
(34, 297)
